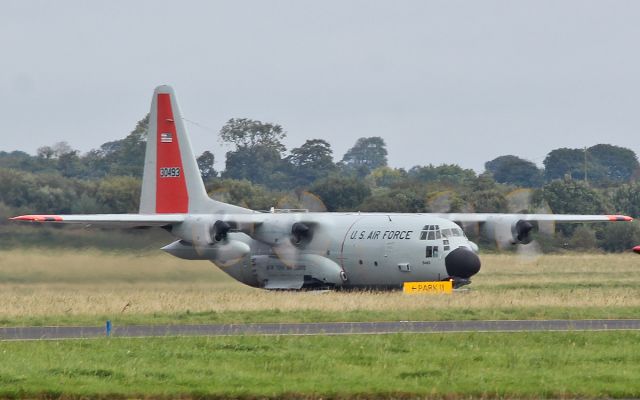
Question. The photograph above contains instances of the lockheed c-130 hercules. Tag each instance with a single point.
(294, 250)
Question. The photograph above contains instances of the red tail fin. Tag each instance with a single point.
(171, 183)
(171, 189)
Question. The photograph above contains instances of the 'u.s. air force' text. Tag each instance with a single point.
(388, 235)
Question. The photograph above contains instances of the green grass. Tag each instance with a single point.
(552, 365)
(277, 316)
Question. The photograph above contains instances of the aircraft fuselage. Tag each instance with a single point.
(348, 250)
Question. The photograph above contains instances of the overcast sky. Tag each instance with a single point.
(441, 81)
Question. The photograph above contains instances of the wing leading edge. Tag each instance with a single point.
(576, 218)
(108, 220)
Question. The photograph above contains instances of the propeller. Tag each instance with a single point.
(505, 231)
(210, 240)
(302, 227)
(300, 237)
(521, 201)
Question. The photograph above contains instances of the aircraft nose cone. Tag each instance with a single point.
(462, 263)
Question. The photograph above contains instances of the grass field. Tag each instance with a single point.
(88, 287)
(486, 365)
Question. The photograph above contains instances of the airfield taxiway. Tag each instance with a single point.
(321, 328)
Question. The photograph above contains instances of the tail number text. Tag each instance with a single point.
(170, 172)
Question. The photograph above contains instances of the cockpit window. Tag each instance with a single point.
(430, 232)
(446, 232)
(456, 232)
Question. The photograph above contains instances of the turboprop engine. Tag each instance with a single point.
(204, 239)
(505, 230)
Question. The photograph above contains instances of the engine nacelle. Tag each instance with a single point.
(301, 234)
(202, 230)
(219, 231)
(222, 253)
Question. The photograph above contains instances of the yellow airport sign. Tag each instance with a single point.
(428, 287)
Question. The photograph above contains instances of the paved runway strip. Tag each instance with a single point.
(322, 328)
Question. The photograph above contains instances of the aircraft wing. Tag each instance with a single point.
(576, 218)
(516, 228)
(108, 220)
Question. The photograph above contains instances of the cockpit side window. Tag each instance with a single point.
(432, 252)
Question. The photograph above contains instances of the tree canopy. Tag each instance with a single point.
(260, 173)
(513, 170)
(366, 155)
(311, 161)
(603, 163)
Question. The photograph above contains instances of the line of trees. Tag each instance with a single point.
(260, 173)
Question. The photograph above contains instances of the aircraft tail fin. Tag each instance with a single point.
(171, 182)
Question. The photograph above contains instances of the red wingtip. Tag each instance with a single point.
(37, 218)
(636, 249)
(619, 218)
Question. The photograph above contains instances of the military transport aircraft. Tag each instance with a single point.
(282, 249)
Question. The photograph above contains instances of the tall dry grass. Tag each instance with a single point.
(46, 283)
